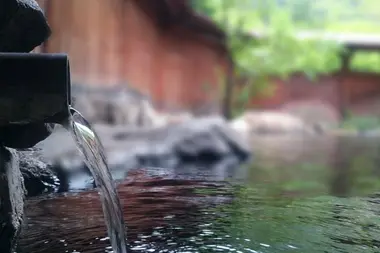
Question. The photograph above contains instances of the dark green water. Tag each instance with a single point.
(298, 196)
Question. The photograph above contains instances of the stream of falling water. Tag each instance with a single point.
(92, 149)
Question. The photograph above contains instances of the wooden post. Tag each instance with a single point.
(343, 93)
(228, 88)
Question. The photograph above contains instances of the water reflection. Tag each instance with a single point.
(157, 210)
(299, 196)
(347, 166)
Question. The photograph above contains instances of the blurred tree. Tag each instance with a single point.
(275, 53)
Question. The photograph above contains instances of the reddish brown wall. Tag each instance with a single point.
(299, 87)
(361, 86)
(356, 89)
(115, 42)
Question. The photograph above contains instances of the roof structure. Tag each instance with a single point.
(353, 41)
(181, 14)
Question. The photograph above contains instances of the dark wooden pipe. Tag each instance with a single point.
(33, 88)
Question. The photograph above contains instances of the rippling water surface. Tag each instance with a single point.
(299, 195)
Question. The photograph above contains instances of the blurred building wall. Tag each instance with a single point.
(355, 89)
(116, 42)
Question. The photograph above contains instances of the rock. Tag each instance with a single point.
(24, 136)
(204, 147)
(206, 140)
(22, 26)
(38, 175)
(170, 118)
(22, 173)
(313, 112)
(292, 150)
(116, 106)
(270, 122)
(372, 133)
(11, 199)
(121, 106)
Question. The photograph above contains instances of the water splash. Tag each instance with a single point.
(92, 150)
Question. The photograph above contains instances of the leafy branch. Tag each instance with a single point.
(277, 54)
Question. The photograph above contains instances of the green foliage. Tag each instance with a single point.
(366, 61)
(280, 53)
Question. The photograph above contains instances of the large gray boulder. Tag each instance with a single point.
(38, 175)
(120, 105)
(204, 147)
(271, 122)
(182, 148)
(200, 141)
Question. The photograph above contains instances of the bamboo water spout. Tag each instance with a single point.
(34, 91)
